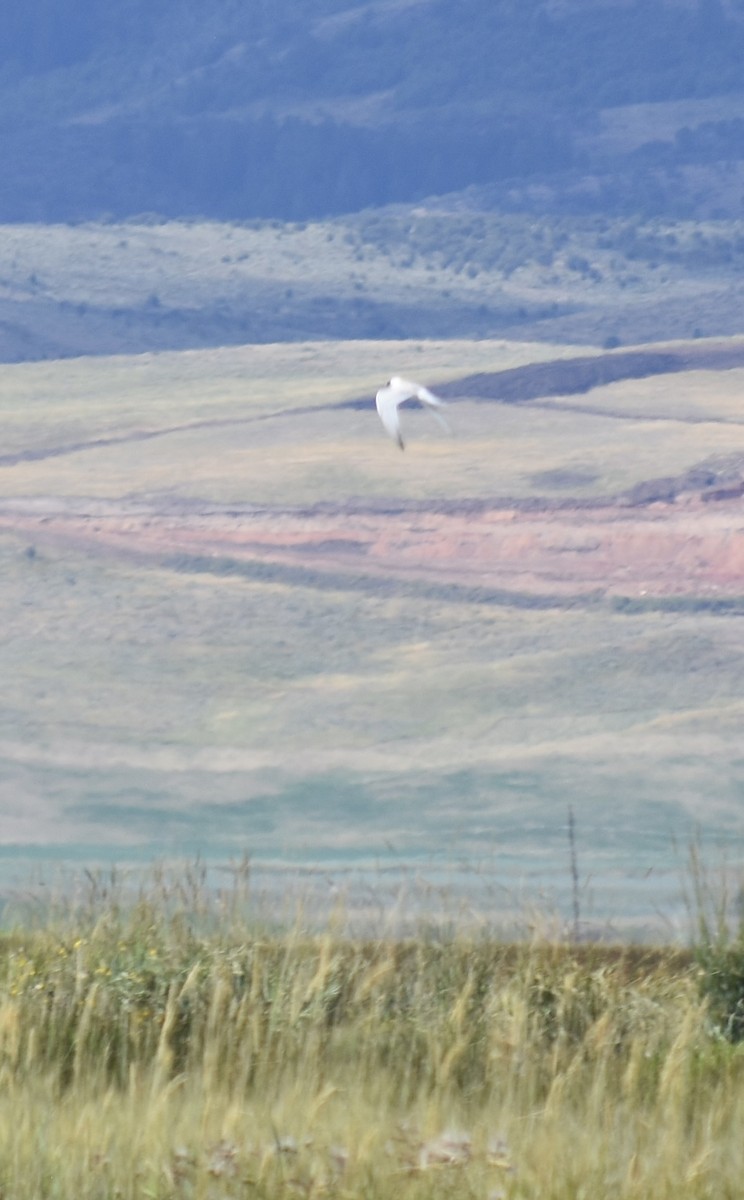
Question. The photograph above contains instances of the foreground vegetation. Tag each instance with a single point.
(146, 1052)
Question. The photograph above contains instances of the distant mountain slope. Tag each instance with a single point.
(309, 107)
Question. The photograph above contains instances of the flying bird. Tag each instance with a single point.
(395, 392)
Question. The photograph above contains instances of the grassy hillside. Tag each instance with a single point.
(452, 269)
(170, 697)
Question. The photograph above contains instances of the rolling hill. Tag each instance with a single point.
(238, 619)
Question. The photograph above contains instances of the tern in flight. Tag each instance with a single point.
(394, 393)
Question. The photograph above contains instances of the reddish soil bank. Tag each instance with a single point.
(690, 546)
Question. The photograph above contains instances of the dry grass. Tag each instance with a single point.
(225, 436)
(50, 404)
(165, 1046)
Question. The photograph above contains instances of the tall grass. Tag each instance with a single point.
(164, 1045)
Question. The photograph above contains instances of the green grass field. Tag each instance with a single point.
(160, 707)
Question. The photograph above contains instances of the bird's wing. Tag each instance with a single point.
(433, 403)
(387, 402)
(428, 398)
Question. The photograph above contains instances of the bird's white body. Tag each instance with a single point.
(394, 393)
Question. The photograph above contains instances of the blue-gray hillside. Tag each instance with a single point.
(301, 108)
